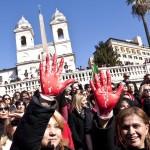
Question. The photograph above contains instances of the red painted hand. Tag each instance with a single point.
(50, 76)
(106, 98)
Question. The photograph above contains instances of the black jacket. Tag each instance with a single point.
(80, 125)
(146, 106)
(76, 123)
(103, 138)
(31, 129)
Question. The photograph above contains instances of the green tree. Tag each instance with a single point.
(105, 56)
(140, 8)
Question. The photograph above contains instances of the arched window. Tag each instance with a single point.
(23, 41)
(60, 34)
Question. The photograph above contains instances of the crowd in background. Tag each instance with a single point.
(78, 107)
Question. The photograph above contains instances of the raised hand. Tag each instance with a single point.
(106, 98)
(50, 76)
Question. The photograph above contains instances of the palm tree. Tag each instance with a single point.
(139, 9)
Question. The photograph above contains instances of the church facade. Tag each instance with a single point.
(29, 55)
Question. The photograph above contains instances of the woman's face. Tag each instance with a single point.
(84, 102)
(53, 134)
(146, 91)
(125, 88)
(75, 87)
(134, 131)
(21, 107)
(68, 90)
(25, 97)
(17, 96)
(3, 110)
(131, 88)
(7, 100)
(124, 105)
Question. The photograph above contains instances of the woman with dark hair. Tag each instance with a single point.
(123, 104)
(4, 111)
(132, 93)
(25, 97)
(16, 97)
(20, 107)
(7, 100)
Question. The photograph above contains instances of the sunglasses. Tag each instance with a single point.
(21, 104)
(7, 98)
(3, 108)
(147, 90)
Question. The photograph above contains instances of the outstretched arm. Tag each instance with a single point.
(50, 73)
(31, 129)
(106, 98)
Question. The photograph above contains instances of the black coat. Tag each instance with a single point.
(103, 138)
(146, 106)
(80, 126)
(31, 129)
(76, 123)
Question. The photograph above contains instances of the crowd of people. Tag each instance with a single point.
(68, 116)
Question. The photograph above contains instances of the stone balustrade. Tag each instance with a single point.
(136, 73)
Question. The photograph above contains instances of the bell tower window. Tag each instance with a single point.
(23, 41)
(60, 34)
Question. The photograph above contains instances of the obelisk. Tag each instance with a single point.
(43, 33)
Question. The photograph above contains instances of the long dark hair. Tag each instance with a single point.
(123, 99)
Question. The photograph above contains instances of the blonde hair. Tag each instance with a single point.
(59, 119)
(77, 100)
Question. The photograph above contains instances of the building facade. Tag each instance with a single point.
(29, 55)
(130, 52)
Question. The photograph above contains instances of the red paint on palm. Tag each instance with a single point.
(50, 73)
(106, 98)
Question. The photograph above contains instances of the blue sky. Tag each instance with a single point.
(90, 21)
